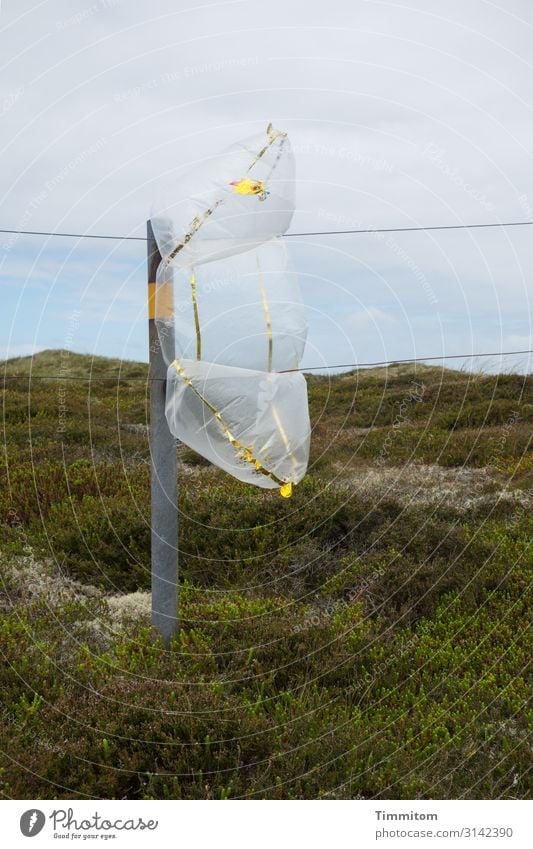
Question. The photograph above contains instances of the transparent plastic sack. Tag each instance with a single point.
(230, 317)
(232, 203)
(244, 309)
(252, 424)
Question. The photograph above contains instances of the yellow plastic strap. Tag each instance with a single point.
(268, 318)
(195, 226)
(281, 429)
(194, 298)
(273, 135)
(283, 434)
(248, 187)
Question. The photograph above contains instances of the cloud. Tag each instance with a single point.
(370, 317)
(520, 342)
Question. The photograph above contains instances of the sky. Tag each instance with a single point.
(401, 114)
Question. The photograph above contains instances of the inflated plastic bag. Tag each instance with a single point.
(252, 424)
(230, 317)
(244, 309)
(233, 203)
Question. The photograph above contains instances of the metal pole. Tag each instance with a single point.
(164, 479)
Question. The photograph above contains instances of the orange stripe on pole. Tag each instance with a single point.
(161, 306)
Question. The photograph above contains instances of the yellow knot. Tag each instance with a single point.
(248, 187)
(286, 490)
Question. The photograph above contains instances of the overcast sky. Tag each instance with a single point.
(401, 115)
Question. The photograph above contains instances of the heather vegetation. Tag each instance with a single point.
(366, 638)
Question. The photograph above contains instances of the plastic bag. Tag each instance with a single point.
(233, 203)
(230, 317)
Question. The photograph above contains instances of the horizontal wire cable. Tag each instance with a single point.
(286, 235)
(410, 229)
(392, 362)
(369, 230)
(76, 235)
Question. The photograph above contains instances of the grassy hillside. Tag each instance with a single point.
(366, 638)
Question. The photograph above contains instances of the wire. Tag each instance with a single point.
(370, 230)
(287, 235)
(392, 362)
(412, 229)
(75, 235)
(395, 362)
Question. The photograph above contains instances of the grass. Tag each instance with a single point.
(365, 639)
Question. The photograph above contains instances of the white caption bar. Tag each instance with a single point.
(267, 824)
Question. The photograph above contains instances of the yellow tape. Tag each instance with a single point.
(266, 310)
(194, 297)
(285, 438)
(248, 187)
(162, 304)
(195, 226)
(273, 135)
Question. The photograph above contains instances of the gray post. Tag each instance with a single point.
(164, 482)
